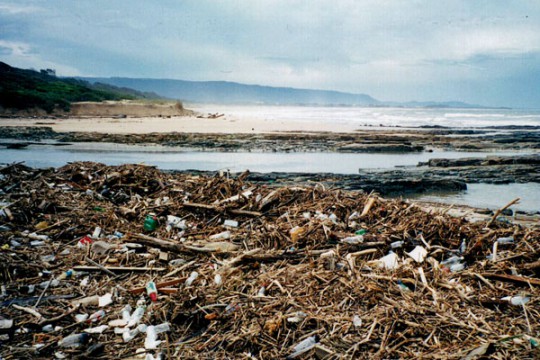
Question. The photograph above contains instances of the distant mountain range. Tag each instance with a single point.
(223, 92)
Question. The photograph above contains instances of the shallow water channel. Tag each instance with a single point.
(170, 158)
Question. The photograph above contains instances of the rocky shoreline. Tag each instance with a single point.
(434, 175)
(389, 140)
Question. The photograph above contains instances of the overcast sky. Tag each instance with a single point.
(479, 51)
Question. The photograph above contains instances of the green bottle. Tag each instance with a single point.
(150, 223)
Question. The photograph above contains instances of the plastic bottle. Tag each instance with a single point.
(357, 321)
(74, 340)
(136, 316)
(101, 247)
(98, 315)
(53, 283)
(84, 241)
(357, 239)
(177, 262)
(230, 223)
(130, 335)
(192, 277)
(96, 330)
(81, 318)
(397, 244)
(303, 346)
(97, 233)
(150, 223)
(151, 290)
(175, 222)
(6, 324)
(506, 240)
(165, 327)
(221, 236)
(66, 274)
(126, 313)
(151, 342)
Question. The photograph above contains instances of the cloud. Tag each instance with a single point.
(22, 55)
(14, 48)
(391, 48)
(16, 9)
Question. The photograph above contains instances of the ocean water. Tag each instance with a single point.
(490, 196)
(377, 117)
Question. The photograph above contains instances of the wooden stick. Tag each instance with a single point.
(531, 266)
(117, 268)
(59, 317)
(28, 310)
(99, 266)
(43, 293)
(158, 243)
(232, 211)
(160, 285)
(368, 206)
(498, 212)
(512, 278)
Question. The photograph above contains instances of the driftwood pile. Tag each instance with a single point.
(247, 271)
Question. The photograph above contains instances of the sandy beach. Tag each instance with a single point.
(188, 124)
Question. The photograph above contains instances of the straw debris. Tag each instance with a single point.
(245, 271)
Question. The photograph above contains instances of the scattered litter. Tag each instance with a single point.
(357, 239)
(96, 330)
(74, 341)
(230, 223)
(303, 347)
(357, 321)
(146, 252)
(517, 300)
(505, 240)
(389, 262)
(418, 254)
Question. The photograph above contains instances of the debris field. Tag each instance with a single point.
(129, 262)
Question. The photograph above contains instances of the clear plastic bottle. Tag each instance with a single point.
(74, 340)
(95, 317)
(151, 342)
(221, 236)
(126, 313)
(136, 316)
(165, 327)
(130, 335)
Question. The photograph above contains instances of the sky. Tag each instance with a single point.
(485, 52)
